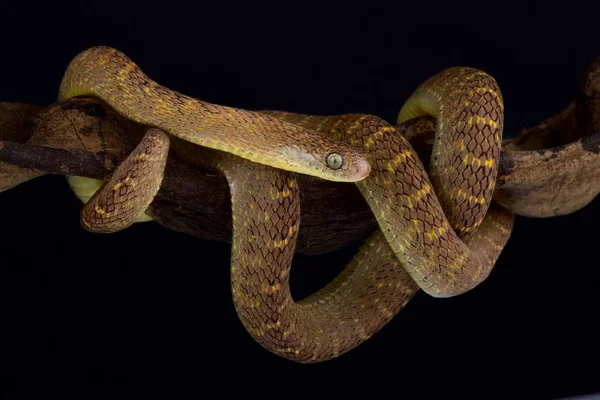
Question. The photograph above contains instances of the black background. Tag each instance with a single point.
(148, 311)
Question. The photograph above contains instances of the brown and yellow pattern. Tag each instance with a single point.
(109, 74)
(444, 245)
(130, 188)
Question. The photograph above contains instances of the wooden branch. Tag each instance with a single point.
(191, 199)
(85, 137)
(48, 159)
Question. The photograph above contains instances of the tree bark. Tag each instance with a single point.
(85, 137)
(191, 200)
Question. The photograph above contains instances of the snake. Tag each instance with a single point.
(438, 228)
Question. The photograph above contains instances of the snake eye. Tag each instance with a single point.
(335, 161)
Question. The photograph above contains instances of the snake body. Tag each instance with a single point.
(371, 289)
(469, 112)
(444, 246)
(110, 75)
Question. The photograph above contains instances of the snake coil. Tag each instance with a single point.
(439, 229)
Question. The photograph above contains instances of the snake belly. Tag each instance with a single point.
(415, 245)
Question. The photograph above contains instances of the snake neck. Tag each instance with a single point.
(110, 75)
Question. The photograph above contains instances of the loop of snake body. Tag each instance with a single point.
(445, 246)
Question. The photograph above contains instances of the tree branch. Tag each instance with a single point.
(85, 137)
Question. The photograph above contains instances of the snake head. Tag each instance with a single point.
(343, 163)
(325, 158)
(303, 148)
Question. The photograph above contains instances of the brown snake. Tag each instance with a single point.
(442, 235)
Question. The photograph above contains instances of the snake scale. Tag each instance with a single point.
(439, 229)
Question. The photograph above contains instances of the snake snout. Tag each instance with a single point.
(362, 168)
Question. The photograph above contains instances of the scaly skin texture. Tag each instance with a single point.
(119, 203)
(407, 208)
(378, 282)
(374, 286)
(469, 111)
(371, 289)
(266, 219)
(415, 246)
(110, 75)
